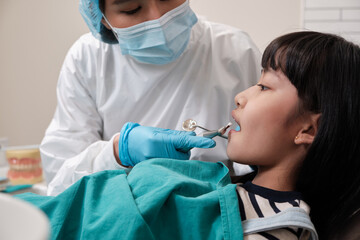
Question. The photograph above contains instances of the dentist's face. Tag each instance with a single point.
(268, 115)
(127, 13)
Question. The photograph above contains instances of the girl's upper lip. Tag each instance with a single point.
(233, 116)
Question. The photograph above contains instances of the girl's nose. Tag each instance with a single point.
(240, 100)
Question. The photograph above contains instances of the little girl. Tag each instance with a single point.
(298, 126)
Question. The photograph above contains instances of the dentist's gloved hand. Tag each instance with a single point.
(138, 143)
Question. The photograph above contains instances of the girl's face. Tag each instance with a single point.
(268, 115)
(127, 13)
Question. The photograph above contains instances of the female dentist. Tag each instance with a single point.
(147, 61)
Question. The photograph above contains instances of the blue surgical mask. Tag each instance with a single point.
(158, 41)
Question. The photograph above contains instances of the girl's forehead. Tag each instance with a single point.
(275, 74)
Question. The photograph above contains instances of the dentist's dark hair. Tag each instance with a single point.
(106, 34)
(325, 69)
(102, 5)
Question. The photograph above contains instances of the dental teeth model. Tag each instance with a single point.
(24, 166)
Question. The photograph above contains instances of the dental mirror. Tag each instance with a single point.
(191, 125)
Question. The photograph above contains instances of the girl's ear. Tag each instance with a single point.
(309, 130)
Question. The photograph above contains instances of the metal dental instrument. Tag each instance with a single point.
(191, 125)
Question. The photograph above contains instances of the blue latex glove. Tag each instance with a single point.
(138, 143)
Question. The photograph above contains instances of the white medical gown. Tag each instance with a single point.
(99, 90)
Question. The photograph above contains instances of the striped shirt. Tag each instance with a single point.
(258, 202)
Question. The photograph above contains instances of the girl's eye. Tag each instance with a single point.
(262, 87)
(130, 12)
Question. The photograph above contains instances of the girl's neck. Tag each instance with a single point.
(279, 179)
(282, 176)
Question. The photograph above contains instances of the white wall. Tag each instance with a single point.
(35, 36)
(334, 16)
(264, 20)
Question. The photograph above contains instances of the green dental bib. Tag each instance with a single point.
(157, 199)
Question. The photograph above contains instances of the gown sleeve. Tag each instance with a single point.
(73, 146)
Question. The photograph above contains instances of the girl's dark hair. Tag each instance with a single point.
(325, 69)
(106, 34)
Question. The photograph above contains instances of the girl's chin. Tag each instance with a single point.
(232, 157)
(235, 157)
(232, 148)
